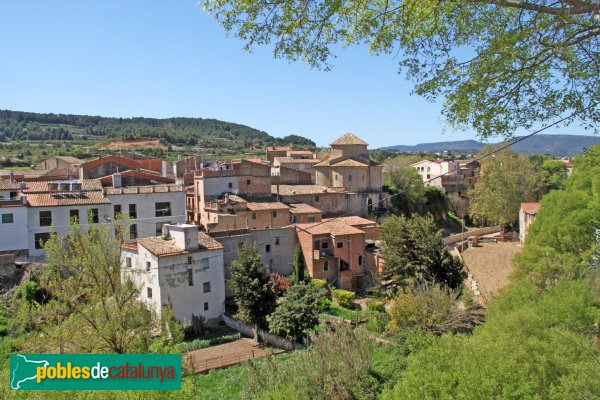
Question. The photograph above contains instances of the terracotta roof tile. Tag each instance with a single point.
(161, 247)
(354, 220)
(287, 190)
(349, 139)
(11, 203)
(331, 227)
(8, 185)
(291, 160)
(266, 206)
(530, 208)
(303, 208)
(65, 199)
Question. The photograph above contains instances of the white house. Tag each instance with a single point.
(52, 205)
(431, 171)
(13, 226)
(148, 207)
(183, 267)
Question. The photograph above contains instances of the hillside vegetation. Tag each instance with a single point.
(212, 133)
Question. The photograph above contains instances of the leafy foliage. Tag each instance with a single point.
(280, 284)
(500, 65)
(429, 308)
(251, 287)
(88, 306)
(300, 274)
(506, 180)
(343, 298)
(336, 366)
(298, 312)
(415, 254)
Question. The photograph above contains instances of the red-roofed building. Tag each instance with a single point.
(182, 268)
(334, 250)
(527, 215)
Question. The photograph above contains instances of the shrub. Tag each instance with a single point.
(319, 283)
(344, 298)
(374, 305)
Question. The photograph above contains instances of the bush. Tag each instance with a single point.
(374, 305)
(344, 298)
(319, 283)
(280, 284)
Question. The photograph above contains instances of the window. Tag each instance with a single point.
(162, 209)
(206, 287)
(128, 262)
(428, 176)
(240, 245)
(133, 231)
(12, 195)
(268, 248)
(205, 306)
(294, 219)
(344, 266)
(247, 181)
(230, 185)
(324, 245)
(311, 218)
(335, 177)
(253, 215)
(116, 210)
(45, 218)
(159, 228)
(8, 218)
(204, 264)
(190, 277)
(94, 215)
(149, 291)
(148, 265)
(41, 239)
(132, 211)
(325, 266)
(317, 244)
(350, 178)
(360, 261)
(274, 214)
(277, 241)
(340, 245)
(74, 215)
(316, 199)
(428, 169)
(189, 260)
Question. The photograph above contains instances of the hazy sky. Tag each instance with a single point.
(164, 58)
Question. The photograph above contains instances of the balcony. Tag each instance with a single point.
(322, 253)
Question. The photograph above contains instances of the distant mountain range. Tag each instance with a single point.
(557, 145)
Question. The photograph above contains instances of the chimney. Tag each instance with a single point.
(12, 176)
(116, 180)
(164, 166)
(185, 236)
(165, 232)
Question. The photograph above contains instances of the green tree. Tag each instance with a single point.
(298, 312)
(252, 288)
(414, 253)
(554, 174)
(300, 274)
(90, 306)
(499, 64)
(506, 180)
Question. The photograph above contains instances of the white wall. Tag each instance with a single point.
(168, 278)
(13, 236)
(146, 211)
(60, 221)
(217, 186)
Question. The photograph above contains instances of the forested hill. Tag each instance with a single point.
(17, 125)
(557, 145)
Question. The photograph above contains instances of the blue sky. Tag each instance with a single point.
(160, 58)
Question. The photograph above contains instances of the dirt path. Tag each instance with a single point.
(223, 355)
(491, 264)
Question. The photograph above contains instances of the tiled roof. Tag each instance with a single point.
(8, 185)
(291, 160)
(303, 208)
(349, 139)
(65, 199)
(69, 159)
(42, 186)
(286, 190)
(274, 148)
(354, 220)
(167, 247)
(349, 163)
(301, 152)
(144, 189)
(530, 208)
(356, 161)
(331, 227)
(266, 206)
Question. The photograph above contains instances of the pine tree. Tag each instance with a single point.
(251, 288)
